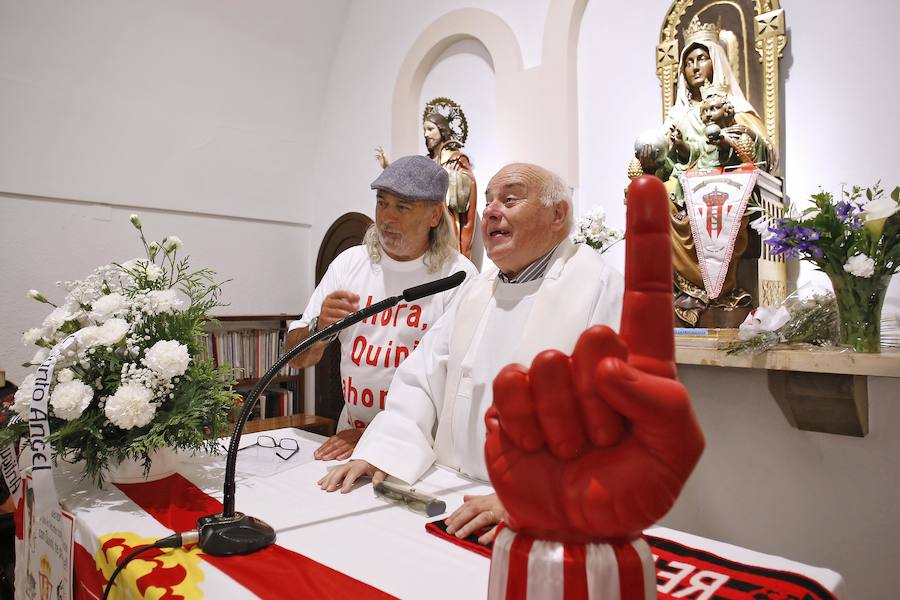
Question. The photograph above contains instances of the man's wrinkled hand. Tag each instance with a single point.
(597, 445)
(339, 446)
(477, 513)
(344, 476)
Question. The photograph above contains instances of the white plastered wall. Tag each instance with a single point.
(202, 117)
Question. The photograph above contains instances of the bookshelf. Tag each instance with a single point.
(252, 344)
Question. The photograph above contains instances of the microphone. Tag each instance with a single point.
(231, 532)
(434, 287)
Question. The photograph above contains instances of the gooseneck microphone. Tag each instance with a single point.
(231, 532)
(426, 289)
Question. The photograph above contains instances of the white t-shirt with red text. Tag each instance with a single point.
(372, 349)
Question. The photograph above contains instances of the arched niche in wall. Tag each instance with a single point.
(464, 72)
(537, 118)
(467, 24)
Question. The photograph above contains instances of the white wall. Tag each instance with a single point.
(165, 104)
(825, 500)
(202, 117)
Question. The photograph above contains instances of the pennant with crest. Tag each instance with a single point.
(715, 203)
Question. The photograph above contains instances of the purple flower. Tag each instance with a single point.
(779, 242)
(806, 234)
(848, 213)
(779, 246)
(794, 241)
(810, 248)
(843, 211)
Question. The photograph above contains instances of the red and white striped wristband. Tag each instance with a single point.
(523, 568)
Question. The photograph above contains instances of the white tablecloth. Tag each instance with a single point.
(381, 544)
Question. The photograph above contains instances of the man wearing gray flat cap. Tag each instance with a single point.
(411, 242)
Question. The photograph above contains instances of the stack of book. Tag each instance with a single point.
(252, 351)
(274, 402)
(696, 337)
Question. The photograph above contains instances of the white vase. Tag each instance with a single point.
(163, 463)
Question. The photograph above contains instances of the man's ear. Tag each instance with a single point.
(436, 214)
(560, 215)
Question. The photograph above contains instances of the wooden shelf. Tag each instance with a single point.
(278, 379)
(825, 391)
(884, 364)
(314, 423)
(225, 318)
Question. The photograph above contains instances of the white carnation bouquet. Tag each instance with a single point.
(132, 378)
(593, 230)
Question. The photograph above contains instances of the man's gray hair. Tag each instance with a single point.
(557, 190)
(442, 243)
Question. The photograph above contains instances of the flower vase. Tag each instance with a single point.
(163, 463)
(859, 302)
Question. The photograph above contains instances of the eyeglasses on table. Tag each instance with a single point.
(267, 441)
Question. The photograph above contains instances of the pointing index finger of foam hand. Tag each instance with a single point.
(647, 313)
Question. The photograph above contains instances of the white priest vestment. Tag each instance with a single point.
(437, 399)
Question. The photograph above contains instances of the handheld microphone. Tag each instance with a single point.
(231, 532)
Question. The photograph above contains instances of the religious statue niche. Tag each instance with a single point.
(718, 155)
(445, 129)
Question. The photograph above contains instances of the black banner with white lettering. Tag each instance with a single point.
(685, 572)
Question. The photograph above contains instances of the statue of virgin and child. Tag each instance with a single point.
(711, 127)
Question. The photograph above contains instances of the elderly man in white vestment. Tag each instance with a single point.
(544, 293)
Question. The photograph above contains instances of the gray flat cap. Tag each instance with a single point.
(414, 178)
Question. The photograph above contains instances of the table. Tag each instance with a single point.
(374, 542)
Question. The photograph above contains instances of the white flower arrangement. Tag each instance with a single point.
(593, 230)
(133, 380)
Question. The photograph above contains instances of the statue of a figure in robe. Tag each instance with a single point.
(683, 145)
(445, 128)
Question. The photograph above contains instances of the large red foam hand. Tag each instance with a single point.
(598, 445)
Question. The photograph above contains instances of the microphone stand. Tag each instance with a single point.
(231, 532)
